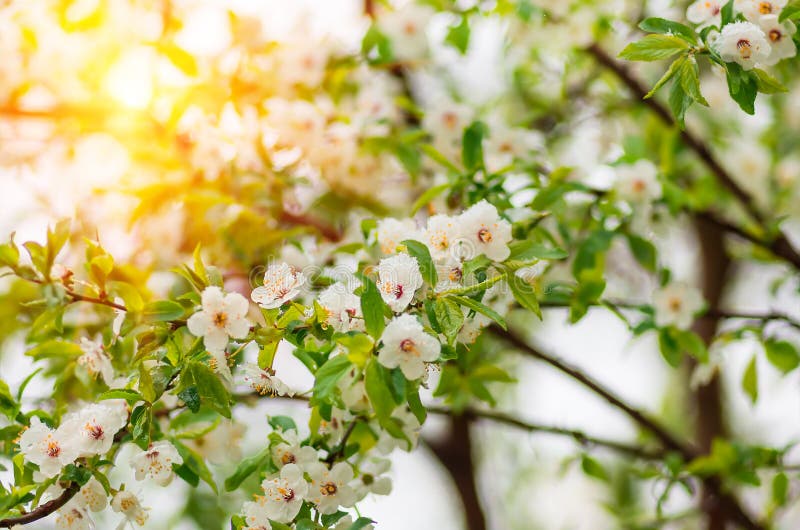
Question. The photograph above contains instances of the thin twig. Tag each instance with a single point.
(43, 510)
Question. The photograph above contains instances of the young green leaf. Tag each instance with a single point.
(654, 47)
(782, 355)
(480, 308)
(423, 255)
(750, 380)
(661, 25)
(372, 308)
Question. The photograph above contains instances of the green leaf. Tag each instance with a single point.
(327, 377)
(472, 146)
(661, 25)
(55, 348)
(654, 47)
(643, 250)
(480, 308)
(591, 252)
(527, 250)
(750, 380)
(360, 523)
(375, 383)
(423, 255)
(766, 83)
(9, 254)
(790, 11)
(742, 86)
(593, 468)
(673, 68)
(458, 35)
(524, 294)
(372, 307)
(163, 311)
(196, 464)
(247, 467)
(284, 423)
(553, 192)
(679, 102)
(669, 347)
(449, 316)
(780, 489)
(129, 395)
(689, 76)
(691, 343)
(141, 419)
(428, 196)
(726, 14)
(210, 389)
(8, 406)
(782, 355)
(191, 398)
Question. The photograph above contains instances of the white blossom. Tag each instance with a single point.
(96, 360)
(342, 307)
(743, 43)
(93, 428)
(129, 505)
(73, 516)
(283, 495)
(372, 478)
(330, 488)
(48, 448)
(638, 183)
(780, 39)
(676, 304)
(92, 496)
(705, 12)
(405, 344)
(411, 427)
(484, 232)
(755, 10)
(282, 283)
(156, 462)
(222, 316)
(264, 382)
(390, 232)
(291, 452)
(441, 234)
(398, 279)
(405, 28)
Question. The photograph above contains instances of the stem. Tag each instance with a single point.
(780, 246)
(43, 510)
(477, 287)
(342, 447)
(580, 437)
(77, 297)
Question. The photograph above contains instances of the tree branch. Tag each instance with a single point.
(43, 510)
(780, 246)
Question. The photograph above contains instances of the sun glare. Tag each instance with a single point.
(130, 80)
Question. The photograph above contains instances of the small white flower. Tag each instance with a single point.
(676, 305)
(283, 495)
(343, 308)
(93, 427)
(333, 428)
(450, 272)
(372, 478)
(354, 393)
(405, 28)
(96, 360)
(330, 488)
(705, 12)
(779, 35)
(638, 183)
(390, 232)
(156, 462)
(446, 121)
(264, 382)
(92, 496)
(49, 449)
(282, 283)
(119, 319)
(221, 445)
(405, 344)
(73, 516)
(441, 234)
(754, 10)
(484, 232)
(129, 505)
(743, 43)
(222, 316)
(291, 452)
(398, 280)
(411, 427)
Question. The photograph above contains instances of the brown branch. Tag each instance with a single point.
(77, 297)
(579, 436)
(780, 246)
(43, 510)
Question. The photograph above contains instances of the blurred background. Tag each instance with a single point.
(77, 140)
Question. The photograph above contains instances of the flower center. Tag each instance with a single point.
(329, 488)
(485, 235)
(367, 479)
(288, 458)
(398, 291)
(765, 8)
(455, 274)
(94, 430)
(745, 48)
(675, 304)
(450, 120)
(408, 346)
(288, 493)
(775, 35)
(220, 319)
(53, 449)
(638, 186)
(410, 28)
